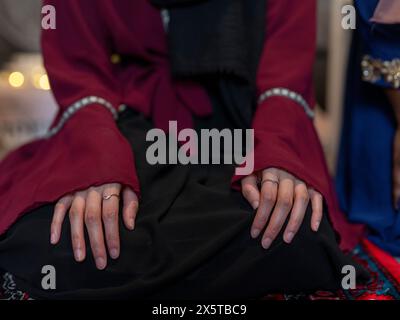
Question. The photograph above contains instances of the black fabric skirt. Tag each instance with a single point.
(192, 240)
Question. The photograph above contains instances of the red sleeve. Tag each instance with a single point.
(89, 150)
(284, 134)
(77, 53)
(282, 129)
(77, 58)
(289, 49)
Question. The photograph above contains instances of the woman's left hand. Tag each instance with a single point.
(279, 195)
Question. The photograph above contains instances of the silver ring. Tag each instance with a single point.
(270, 180)
(108, 197)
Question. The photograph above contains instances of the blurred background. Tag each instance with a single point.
(26, 103)
(27, 106)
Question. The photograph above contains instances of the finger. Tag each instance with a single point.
(269, 191)
(301, 200)
(250, 190)
(76, 216)
(60, 211)
(130, 207)
(282, 208)
(95, 228)
(317, 209)
(110, 219)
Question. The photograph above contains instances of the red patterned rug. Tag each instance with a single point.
(383, 285)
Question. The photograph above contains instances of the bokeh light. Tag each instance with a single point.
(16, 79)
(44, 82)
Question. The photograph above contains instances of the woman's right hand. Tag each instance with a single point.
(95, 208)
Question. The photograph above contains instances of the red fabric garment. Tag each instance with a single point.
(284, 135)
(90, 150)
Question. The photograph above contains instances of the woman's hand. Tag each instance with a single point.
(278, 195)
(94, 208)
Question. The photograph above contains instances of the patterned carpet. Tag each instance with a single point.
(384, 283)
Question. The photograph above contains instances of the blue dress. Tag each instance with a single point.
(364, 175)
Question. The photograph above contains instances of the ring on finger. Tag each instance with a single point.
(108, 197)
(269, 180)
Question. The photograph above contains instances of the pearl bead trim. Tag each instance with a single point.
(283, 92)
(71, 110)
(165, 19)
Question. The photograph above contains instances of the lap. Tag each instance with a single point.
(184, 251)
(192, 239)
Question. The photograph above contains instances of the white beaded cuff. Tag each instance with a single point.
(71, 110)
(283, 92)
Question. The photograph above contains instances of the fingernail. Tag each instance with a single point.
(316, 226)
(53, 238)
(266, 243)
(131, 224)
(255, 204)
(100, 263)
(289, 237)
(78, 255)
(114, 253)
(255, 233)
